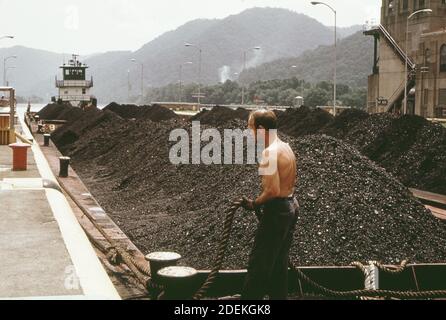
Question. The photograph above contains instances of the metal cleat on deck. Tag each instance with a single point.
(158, 261)
(177, 283)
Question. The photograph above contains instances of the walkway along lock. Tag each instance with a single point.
(19, 156)
(64, 163)
(46, 140)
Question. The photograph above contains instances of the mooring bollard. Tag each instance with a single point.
(19, 156)
(46, 140)
(160, 260)
(64, 163)
(178, 282)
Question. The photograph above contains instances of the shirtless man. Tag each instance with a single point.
(268, 262)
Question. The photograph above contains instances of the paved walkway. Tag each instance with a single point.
(44, 252)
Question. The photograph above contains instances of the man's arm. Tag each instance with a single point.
(268, 168)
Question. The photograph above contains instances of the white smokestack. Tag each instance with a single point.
(256, 59)
(225, 73)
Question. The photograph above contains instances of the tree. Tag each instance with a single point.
(316, 97)
(273, 92)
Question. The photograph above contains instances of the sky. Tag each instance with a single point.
(93, 26)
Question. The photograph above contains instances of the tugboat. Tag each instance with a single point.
(75, 88)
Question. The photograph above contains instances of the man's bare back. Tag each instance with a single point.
(287, 169)
(280, 182)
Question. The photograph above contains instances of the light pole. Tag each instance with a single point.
(142, 78)
(4, 67)
(128, 86)
(6, 72)
(199, 67)
(301, 82)
(180, 93)
(407, 57)
(314, 3)
(244, 68)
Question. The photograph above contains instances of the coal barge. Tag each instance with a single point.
(157, 275)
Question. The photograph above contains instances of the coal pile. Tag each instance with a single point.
(351, 208)
(414, 150)
(410, 147)
(367, 130)
(126, 111)
(51, 111)
(339, 126)
(153, 112)
(89, 119)
(218, 115)
(54, 111)
(303, 121)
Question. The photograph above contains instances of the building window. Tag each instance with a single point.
(391, 7)
(405, 5)
(427, 57)
(443, 58)
(84, 91)
(442, 98)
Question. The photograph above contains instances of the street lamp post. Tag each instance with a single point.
(142, 78)
(244, 68)
(335, 51)
(301, 82)
(199, 68)
(128, 86)
(180, 93)
(4, 67)
(8, 68)
(407, 57)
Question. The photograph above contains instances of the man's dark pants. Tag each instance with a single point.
(268, 262)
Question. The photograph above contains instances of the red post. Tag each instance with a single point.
(19, 156)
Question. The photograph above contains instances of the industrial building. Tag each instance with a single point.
(426, 59)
